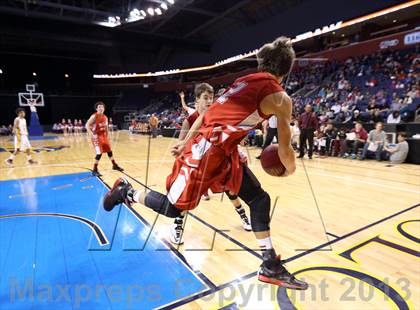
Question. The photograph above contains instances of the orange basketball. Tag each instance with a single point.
(270, 161)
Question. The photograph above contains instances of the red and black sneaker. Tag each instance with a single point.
(272, 271)
(117, 195)
(116, 167)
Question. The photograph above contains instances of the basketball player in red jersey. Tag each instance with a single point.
(97, 128)
(203, 93)
(208, 157)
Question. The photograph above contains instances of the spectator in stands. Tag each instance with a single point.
(375, 142)
(394, 118)
(330, 134)
(308, 123)
(320, 140)
(376, 116)
(132, 126)
(251, 137)
(259, 137)
(355, 140)
(356, 116)
(153, 123)
(397, 154)
(294, 129)
(336, 108)
(56, 127)
(4, 131)
(396, 105)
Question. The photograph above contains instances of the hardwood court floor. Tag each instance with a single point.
(350, 228)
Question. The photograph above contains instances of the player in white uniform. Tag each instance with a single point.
(184, 104)
(20, 132)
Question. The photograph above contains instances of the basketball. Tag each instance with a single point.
(270, 161)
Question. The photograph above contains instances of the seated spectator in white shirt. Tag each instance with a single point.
(375, 142)
(336, 108)
(397, 154)
(394, 118)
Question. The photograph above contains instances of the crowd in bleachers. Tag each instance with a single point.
(383, 87)
(76, 127)
(6, 130)
(379, 88)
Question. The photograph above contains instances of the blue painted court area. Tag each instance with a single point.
(60, 250)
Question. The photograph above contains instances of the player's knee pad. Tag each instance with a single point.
(160, 204)
(109, 154)
(98, 156)
(231, 197)
(260, 212)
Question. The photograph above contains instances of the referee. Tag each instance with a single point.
(308, 123)
(271, 133)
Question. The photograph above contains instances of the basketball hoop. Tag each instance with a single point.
(32, 104)
(31, 98)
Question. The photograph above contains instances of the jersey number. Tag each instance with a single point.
(234, 90)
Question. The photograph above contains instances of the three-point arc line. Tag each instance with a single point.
(97, 230)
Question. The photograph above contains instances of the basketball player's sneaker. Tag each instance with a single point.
(177, 232)
(116, 167)
(272, 271)
(9, 162)
(205, 196)
(245, 223)
(118, 194)
(244, 219)
(32, 162)
(96, 173)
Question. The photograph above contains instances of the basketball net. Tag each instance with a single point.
(32, 103)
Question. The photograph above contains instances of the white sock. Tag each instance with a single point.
(11, 157)
(136, 196)
(265, 244)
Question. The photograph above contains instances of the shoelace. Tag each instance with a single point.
(178, 231)
(245, 219)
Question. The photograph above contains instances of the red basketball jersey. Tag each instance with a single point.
(100, 125)
(191, 119)
(237, 111)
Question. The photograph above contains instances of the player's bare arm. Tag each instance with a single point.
(183, 103)
(280, 105)
(89, 124)
(15, 126)
(179, 147)
(184, 130)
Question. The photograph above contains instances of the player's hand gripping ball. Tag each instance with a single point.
(270, 161)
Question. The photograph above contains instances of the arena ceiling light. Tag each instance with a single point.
(158, 11)
(332, 28)
(135, 15)
(1, 71)
(151, 11)
(164, 6)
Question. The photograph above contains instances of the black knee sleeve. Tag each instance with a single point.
(160, 204)
(257, 199)
(98, 156)
(260, 212)
(109, 154)
(231, 197)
